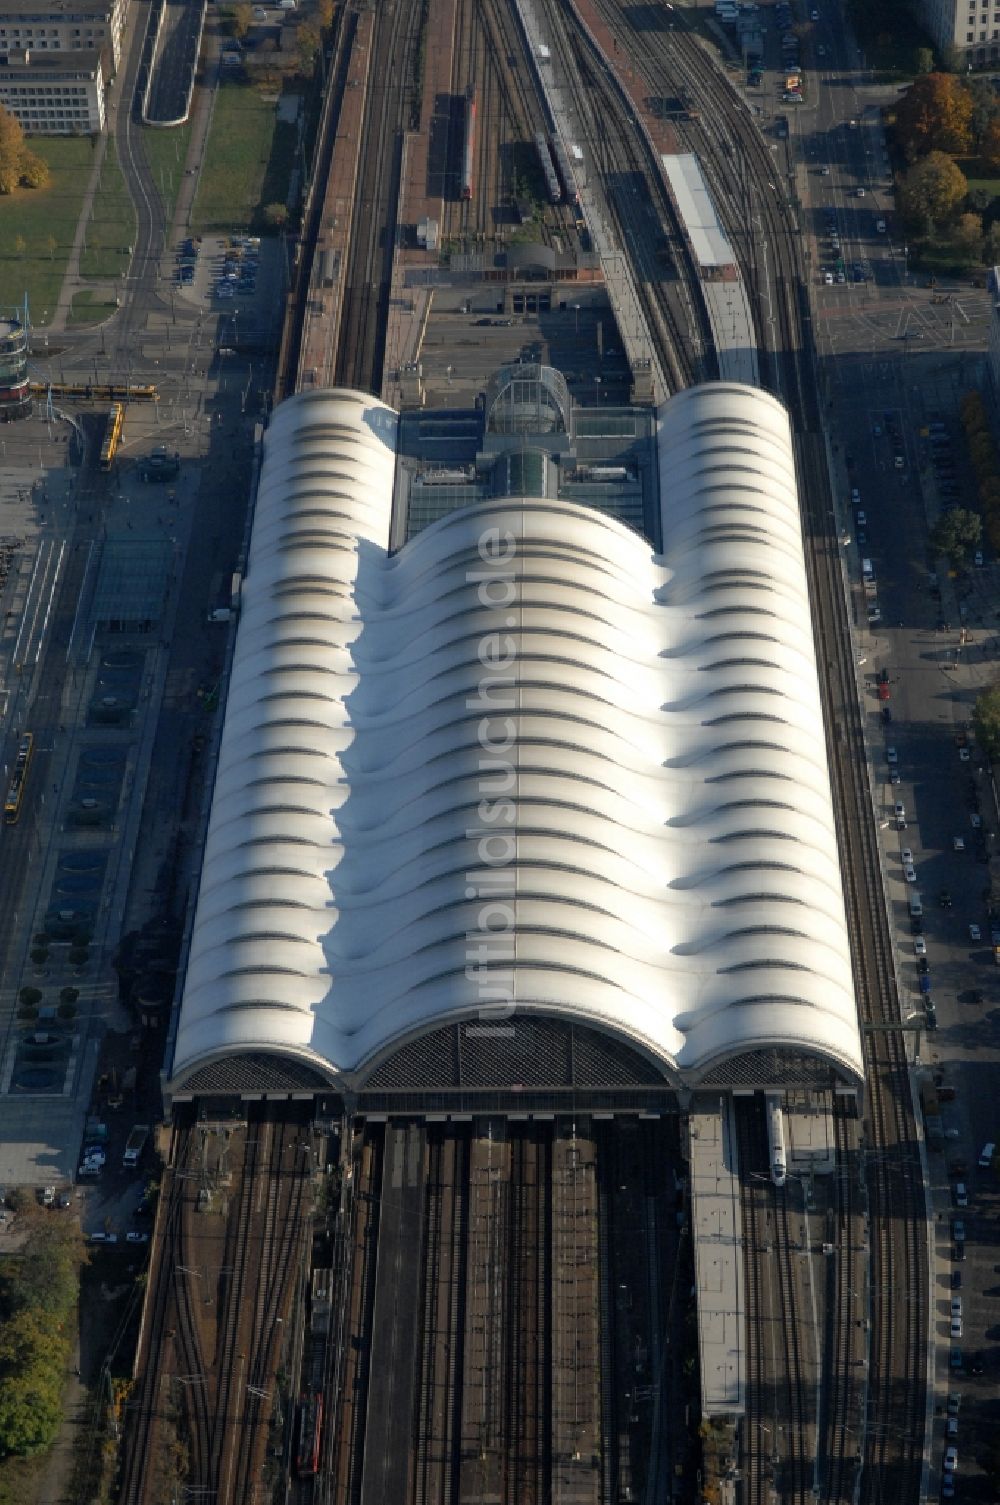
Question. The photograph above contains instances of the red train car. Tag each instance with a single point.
(469, 147)
(310, 1428)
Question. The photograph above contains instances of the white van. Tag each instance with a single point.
(916, 907)
(986, 1156)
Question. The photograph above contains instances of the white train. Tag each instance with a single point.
(776, 1139)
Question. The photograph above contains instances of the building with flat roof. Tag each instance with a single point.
(968, 28)
(524, 807)
(56, 95)
(64, 26)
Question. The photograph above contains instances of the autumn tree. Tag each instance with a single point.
(34, 170)
(932, 190)
(935, 114)
(242, 20)
(11, 147)
(924, 58)
(957, 533)
(967, 236)
(989, 146)
(307, 41)
(275, 215)
(18, 163)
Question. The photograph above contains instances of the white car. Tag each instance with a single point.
(855, 496)
(975, 821)
(894, 776)
(958, 843)
(891, 756)
(961, 1200)
(828, 278)
(956, 1332)
(919, 946)
(860, 193)
(975, 934)
(950, 1460)
(964, 755)
(977, 559)
(906, 857)
(910, 873)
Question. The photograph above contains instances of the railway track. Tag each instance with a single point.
(396, 46)
(529, 1427)
(143, 1406)
(281, 1247)
(743, 172)
(758, 1457)
(435, 1463)
(839, 1420)
(634, 194)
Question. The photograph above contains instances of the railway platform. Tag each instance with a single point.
(716, 1224)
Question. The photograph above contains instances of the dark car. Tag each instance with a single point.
(887, 713)
(883, 676)
(978, 1365)
(956, 1280)
(944, 898)
(916, 925)
(923, 965)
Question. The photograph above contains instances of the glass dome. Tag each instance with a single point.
(527, 399)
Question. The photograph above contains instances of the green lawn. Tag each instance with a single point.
(91, 308)
(247, 162)
(166, 153)
(31, 218)
(979, 175)
(111, 228)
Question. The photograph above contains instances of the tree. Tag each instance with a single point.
(275, 215)
(11, 147)
(968, 235)
(957, 533)
(986, 720)
(991, 245)
(984, 106)
(307, 41)
(935, 114)
(924, 59)
(324, 13)
(34, 170)
(932, 190)
(242, 19)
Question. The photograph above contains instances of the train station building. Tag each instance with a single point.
(522, 795)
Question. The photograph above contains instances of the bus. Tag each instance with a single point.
(15, 789)
(112, 435)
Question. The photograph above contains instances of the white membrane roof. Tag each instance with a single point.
(640, 736)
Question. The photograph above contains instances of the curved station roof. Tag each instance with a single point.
(523, 764)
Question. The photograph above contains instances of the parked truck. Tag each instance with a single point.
(135, 1144)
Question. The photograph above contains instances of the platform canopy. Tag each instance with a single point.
(523, 767)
